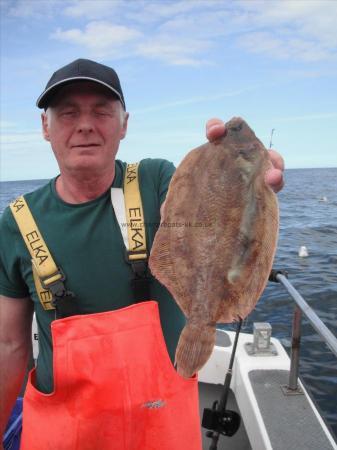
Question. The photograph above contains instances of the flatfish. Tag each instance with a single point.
(217, 239)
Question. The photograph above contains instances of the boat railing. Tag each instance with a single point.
(301, 307)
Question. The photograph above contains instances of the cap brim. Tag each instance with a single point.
(44, 99)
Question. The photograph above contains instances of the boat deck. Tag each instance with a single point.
(289, 420)
(270, 420)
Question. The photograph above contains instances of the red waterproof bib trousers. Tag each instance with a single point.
(114, 388)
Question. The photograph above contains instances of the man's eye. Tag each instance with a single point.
(67, 113)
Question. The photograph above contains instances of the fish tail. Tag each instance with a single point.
(194, 348)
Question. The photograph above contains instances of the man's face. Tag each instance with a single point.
(84, 125)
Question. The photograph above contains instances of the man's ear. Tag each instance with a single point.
(125, 125)
(45, 127)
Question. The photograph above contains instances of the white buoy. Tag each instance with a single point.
(303, 251)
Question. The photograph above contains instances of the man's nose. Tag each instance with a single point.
(85, 123)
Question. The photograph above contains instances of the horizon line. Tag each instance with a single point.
(50, 178)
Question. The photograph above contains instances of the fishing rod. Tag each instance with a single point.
(271, 137)
(218, 419)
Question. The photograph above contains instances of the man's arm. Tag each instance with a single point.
(15, 347)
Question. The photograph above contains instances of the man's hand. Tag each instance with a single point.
(215, 128)
(274, 176)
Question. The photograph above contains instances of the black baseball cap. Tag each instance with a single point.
(81, 69)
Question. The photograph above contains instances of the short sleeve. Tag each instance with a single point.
(11, 279)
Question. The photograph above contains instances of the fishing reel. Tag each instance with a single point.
(225, 422)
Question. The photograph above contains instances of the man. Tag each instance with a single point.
(105, 381)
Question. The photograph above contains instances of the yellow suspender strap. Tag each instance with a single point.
(45, 270)
(134, 215)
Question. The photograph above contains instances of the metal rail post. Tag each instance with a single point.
(302, 306)
(295, 350)
(313, 318)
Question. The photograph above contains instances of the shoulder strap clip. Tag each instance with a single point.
(62, 299)
(48, 278)
(130, 215)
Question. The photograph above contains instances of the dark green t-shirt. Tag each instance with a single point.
(86, 242)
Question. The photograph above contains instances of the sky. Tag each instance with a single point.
(274, 63)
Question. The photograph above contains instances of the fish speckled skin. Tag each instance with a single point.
(217, 240)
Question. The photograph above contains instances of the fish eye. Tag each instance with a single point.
(245, 153)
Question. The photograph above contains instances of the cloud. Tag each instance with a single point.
(140, 11)
(151, 12)
(283, 46)
(298, 30)
(180, 32)
(104, 39)
(174, 51)
(194, 100)
(100, 38)
(149, 30)
(91, 9)
(287, 29)
(32, 8)
(315, 18)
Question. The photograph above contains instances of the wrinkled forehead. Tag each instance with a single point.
(82, 90)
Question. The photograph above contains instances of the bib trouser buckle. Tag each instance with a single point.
(141, 277)
(63, 300)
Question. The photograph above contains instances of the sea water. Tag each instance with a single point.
(308, 218)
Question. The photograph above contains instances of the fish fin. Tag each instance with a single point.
(163, 269)
(194, 348)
